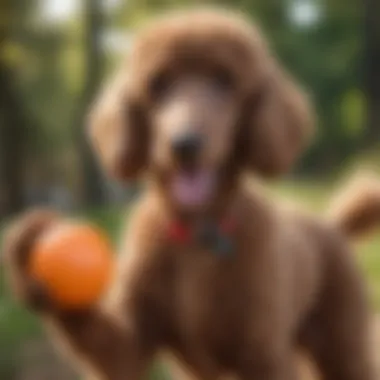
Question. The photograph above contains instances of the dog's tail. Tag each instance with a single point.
(356, 207)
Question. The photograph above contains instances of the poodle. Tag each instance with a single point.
(212, 270)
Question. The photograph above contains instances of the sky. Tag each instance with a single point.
(58, 10)
(61, 10)
(302, 12)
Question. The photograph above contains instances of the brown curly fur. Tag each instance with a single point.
(291, 282)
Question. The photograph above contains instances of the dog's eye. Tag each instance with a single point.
(159, 85)
(223, 80)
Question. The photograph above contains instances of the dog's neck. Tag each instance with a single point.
(212, 228)
(237, 205)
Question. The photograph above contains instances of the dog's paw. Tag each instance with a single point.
(19, 240)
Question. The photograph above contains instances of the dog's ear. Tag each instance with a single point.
(278, 123)
(118, 130)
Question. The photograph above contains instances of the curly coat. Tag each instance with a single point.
(291, 282)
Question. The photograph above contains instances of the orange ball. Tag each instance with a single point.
(74, 262)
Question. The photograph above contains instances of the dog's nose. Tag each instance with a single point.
(186, 147)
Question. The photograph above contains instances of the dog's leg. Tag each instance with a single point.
(338, 356)
(337, 334)
(282, 367)
(110, 340)
(268, 356)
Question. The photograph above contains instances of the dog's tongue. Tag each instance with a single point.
(193, 189)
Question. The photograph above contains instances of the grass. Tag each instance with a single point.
(18, 326)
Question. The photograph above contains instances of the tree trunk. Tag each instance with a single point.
(12, 136)
(372, 70)
(93, 186)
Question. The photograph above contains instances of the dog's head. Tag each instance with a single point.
(200, 96)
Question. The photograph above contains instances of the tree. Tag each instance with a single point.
(12, 145)
(31, 94)
(372, 69)
(12, 127)
(93, 190)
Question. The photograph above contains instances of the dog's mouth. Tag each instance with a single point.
(193, 188)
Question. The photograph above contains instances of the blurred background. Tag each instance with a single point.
(54, 55)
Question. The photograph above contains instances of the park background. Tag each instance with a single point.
(55, 55)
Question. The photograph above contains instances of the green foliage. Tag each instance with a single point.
(352, 113)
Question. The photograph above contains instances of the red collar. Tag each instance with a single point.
(183, 233)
